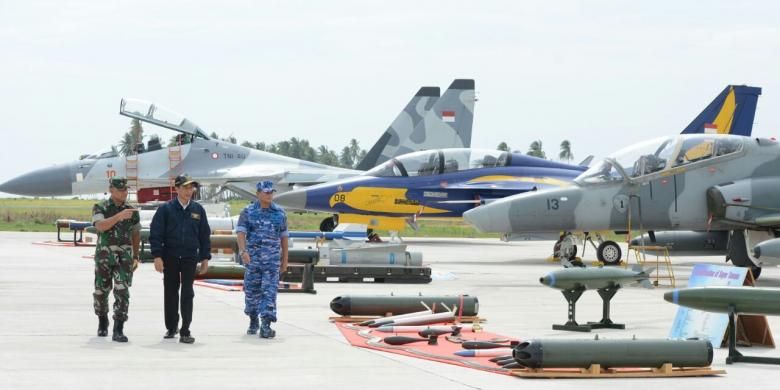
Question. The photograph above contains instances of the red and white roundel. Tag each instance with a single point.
(214, 156)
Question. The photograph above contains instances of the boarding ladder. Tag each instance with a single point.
(663, 267)
(131, 174)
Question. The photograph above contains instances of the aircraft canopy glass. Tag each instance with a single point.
(436, 162)
(659, 154)
(99, 155)
(160, 116)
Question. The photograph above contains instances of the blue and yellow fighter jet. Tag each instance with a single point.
(432, 184)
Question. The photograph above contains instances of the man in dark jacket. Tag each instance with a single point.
(179, 239)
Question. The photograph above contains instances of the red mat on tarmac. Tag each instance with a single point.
(444, 352)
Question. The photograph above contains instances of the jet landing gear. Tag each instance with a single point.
(607, 251)
(330, 223)
(737, 252)
(566, 247)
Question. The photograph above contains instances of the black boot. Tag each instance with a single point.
(102, 325)
(265, 330)
(118, 335)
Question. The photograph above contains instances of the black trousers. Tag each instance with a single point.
(178, 272)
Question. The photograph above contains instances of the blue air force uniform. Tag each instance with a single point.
(264, 229)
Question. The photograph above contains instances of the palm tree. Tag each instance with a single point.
(137, 130)
(327, 156)
(535, 149)
(126, 144)
(133, 137)
(565, 153)
(346, 159)
(354, 150)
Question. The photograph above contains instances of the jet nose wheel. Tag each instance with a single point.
(566, 248)
(328, 224)
(609, 253)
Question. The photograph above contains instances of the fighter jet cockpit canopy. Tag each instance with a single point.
(660, 154)
(436, 162)
(99, 155)
(160, 116)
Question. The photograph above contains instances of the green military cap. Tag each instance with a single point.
(183, 180)
(118, 182)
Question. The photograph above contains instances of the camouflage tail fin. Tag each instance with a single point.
(732, 112)
(401, 129)
(448, 124)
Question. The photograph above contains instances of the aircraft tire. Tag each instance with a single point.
(737, 252)
(328, 224)
(609, 253)
(565, 250)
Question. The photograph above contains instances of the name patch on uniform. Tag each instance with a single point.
(195, 215)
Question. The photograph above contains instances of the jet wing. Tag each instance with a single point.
(315, 176)
(242, 179)
(508, 183)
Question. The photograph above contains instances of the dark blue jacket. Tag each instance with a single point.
(180, 233)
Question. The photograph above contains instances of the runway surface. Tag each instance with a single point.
(47, 326)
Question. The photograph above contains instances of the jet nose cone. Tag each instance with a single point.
(292, 200)
(489, 218)
(53, 181)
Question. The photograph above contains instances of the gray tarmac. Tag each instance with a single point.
(47, 326)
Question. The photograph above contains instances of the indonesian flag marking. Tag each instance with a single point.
(448, 116)
(710, 128)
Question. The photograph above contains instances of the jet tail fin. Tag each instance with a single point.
(449, 122)
(445, 123)
(401, 129)
(586, 162)
(732, 112)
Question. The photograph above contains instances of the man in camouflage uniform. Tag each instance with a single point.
(116, 256)
(262, 242)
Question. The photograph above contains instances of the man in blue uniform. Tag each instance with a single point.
(262, 243)
(179, 237)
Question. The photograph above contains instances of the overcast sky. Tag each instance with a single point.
(600, 74)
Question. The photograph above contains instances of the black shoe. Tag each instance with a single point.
(186, 339)
(118, 335)
(102, 325)
(169, 334)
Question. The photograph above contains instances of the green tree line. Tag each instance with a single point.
(536, 149)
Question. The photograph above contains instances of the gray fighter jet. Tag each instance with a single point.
(704, 182)
(426, 122)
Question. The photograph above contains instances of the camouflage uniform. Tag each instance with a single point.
(114, 259)
(264, 228)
